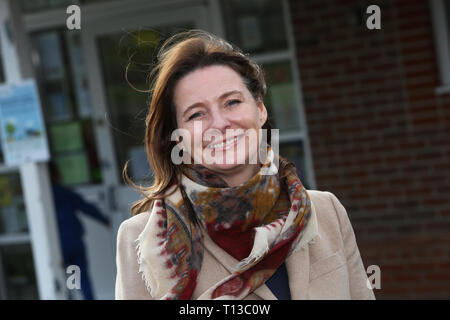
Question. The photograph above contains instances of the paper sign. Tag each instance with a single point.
(22, 128)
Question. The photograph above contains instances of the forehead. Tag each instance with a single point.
(206, 83)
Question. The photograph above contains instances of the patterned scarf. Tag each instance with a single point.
(258, 222)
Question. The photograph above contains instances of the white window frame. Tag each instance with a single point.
(288, 54)
(442, 43)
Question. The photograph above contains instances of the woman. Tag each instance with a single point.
(217, 225)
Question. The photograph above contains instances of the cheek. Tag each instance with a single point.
(192, 139)
(250, 118)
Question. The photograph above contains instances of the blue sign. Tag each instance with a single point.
(22, 128)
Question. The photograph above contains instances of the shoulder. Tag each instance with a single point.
(322, 198)
(130, 228)
(318, 196)
(330, 207)
(326, 203)
(129, 283)
(331, 215)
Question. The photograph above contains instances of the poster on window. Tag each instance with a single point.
(23, 136)
(250, 32)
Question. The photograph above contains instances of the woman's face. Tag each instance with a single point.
(214, 105)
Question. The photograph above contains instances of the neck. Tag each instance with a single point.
(239, 175)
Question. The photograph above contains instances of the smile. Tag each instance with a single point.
(224, 145)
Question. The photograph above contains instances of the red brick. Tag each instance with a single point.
(426, 120)
(389, 66)
(428, 155)
(419, 191)
(435, 201)
(442, 167)
(420, 83)
(398, 159)
(339, 61)
(419, 50)
(416, 35)
(380, 96)
(413, 22)
(416, 61)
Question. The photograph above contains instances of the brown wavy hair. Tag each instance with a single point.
(178, 56)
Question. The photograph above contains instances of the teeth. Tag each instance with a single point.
(226, 144)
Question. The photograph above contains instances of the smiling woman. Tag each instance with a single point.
(230, 229)
(220, 106)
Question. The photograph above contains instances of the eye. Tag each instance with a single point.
(233, 102)
(195, 115)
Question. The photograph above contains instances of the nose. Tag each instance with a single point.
(220, 122)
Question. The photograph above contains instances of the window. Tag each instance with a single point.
(65, 105)
(261, 28)
(440, 10)
(255, 26)
(17, 275)
(280, 98)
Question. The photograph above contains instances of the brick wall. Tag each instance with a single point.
(380, 135)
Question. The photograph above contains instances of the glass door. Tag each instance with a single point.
(119, 53)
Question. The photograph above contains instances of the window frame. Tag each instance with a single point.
(290, 55)
(441, 33)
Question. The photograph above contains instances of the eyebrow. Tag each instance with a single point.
(222, 96)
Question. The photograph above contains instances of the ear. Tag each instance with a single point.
(262, 111)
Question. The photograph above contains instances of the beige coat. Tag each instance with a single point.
(328, 268)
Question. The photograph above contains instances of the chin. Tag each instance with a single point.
(240, 160)
(224, 167)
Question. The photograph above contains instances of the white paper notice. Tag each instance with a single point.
(22, 128)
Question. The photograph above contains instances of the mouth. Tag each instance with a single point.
(224, 145)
